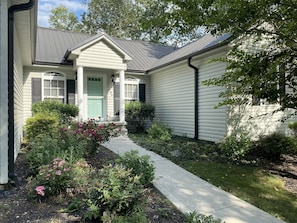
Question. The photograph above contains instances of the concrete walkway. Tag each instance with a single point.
(189, 193)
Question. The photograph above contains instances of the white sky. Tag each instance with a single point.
(45, 6)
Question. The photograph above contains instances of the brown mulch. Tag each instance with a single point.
(16, 208)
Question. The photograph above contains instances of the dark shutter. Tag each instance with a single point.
(116, 94)
(36, 89)
(142, 92)
(70, 89)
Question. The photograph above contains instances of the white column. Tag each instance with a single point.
(80, 92)
(122, 96)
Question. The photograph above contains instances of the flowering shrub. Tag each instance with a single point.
(60, 176)
(94, 133)
(52, 179)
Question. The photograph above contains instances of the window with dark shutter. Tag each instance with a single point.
(36, 89)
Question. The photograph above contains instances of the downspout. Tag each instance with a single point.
(11, 11)
(196, 98)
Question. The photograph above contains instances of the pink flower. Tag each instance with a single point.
(40, 190)
(59, 172)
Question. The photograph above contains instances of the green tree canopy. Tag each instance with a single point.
(262, 61)
(129, 19)
(61, 18)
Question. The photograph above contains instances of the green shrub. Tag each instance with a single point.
(236, 145)
(161, 131)
(65, 112)
(272, 146)
(117, 192)
(52, 179)
(41, 124)
(58, 176)
(194, 217)
(293, 127)
(140, 166)
(94, 134)
(137, 113)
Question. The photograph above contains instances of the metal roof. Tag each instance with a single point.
(52, 45)
(197, 47)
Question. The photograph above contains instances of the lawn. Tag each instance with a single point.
(251, 181)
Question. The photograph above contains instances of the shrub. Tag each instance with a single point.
(272, 146)
(140, 166)
(41, 124)
(117, 192)
(52, 179)
(293, 127)
(236, 145)
(94, 134)
(65, 112)
(161, 131)
(137, 113)
(65, 144)
(42, 151)
(194, 217)
(58, 176)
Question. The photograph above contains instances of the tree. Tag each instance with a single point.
(262, 61)
(61, 18)
(129, 19)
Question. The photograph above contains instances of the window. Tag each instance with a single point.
(134, 91)
(131, 89)
(54, 86)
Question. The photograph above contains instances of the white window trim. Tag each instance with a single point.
(132, 81)
(48, 76)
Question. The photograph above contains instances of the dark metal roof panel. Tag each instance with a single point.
(52, 44)
(203, 44)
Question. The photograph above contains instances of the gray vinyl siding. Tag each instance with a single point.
(3, 95)
(172, 93)
(212, 122)
(18, 95)
(101, 55)
(260, 120)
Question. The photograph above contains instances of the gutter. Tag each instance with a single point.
(196, 98)
(11, 154)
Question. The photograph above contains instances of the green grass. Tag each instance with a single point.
(250, 183)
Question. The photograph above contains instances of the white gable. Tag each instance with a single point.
(101, 54)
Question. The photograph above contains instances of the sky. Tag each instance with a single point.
(45, 6)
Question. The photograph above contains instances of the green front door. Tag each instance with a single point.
(95, 98)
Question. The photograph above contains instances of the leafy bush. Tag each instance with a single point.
(41, 124)
(52, 179)
(272, 146)
(140, 166)
(94, 134)
(293, 127)
(64, 144)
(236, 145)
(117, 192)
(58, 176)
(161, 131)
(137, 113)
(194, 217)
(65, 112)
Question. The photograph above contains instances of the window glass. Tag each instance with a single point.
(54, 86)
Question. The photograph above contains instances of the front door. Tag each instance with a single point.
(95, 98)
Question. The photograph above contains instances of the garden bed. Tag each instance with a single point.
(15, 206)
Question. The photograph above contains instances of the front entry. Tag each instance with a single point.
(95, 98)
